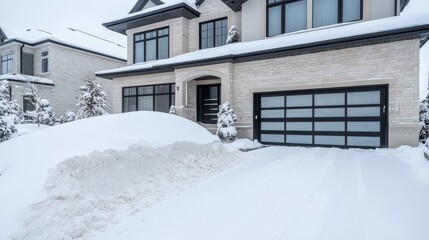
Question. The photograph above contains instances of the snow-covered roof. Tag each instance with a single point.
(293, 41)
(74, 38)
(25, 78)
(169, 9)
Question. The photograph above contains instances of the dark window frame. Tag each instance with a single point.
(283, 4)
(8, 60)
(200, 98)
(144, 40)
(31, 100)
(214, 32)
(340, 13)
(383, 118)
(171, 93)
(45, 58)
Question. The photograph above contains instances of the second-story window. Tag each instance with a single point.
(213, 33)
(45, 62)
(284, 16)
(327, 12)
(151, 45)
(6, 64)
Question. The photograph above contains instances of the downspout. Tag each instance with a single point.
(21, 60)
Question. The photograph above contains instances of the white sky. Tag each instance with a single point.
(17, 16)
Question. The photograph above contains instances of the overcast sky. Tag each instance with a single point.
(18, 15)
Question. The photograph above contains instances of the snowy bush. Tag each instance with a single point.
(10, 113)
(92, 100)
(172, 109)
(45, 115)
(233, 36)
(67, 117)
(424, 119)
(7, 128)
(225, 123)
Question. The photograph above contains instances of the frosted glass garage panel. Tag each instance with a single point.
(272, 102)
(329, 140)
(370, 97)
(274, 138)
(329, 112)
(363, 126)
(299, 126)
(299, 139)
(363, 111)
(299, 101)
(329, 126)
(273, 126)
(299, 113)
(364, 141)
(329, 99)
(280, 113)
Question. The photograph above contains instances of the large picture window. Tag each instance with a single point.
(213, 33)
(327, 12)
(151, 45)
(284, 16)
(148, 98)
(6, 64)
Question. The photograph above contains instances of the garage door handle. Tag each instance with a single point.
(256, 117)
(384, 109)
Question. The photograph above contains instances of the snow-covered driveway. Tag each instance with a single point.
(299, 193)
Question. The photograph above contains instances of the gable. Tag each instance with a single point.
(2, 36)
(404, 3)
(143, 4)
(235, 5)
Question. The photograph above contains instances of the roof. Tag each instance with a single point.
(404, 3)
(26, 78)
(2, 35)
(142, 3)
(73, 38)
(169, 10)
(412, 24)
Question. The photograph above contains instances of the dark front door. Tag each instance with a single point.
(344, 117)
(208, 101)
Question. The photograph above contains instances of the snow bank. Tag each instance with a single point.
(25, 160)
(86, 194)
(28, 128)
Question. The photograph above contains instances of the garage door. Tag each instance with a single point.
(352, 117)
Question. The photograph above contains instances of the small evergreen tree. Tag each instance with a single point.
(45, 114)
(67, 117)
(10, 113)
(7, 128)
(172, 109)
(92, 99)
(424, 119)
(226, 117)
(233, 36)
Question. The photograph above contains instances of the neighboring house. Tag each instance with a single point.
(57, 64)
(341, 73)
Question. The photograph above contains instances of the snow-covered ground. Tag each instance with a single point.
(149, 175)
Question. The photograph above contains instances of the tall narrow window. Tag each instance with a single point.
(45, 62)
(213, 33)
(6, 63)
(151, 45)
(284, 16)
(328, 12)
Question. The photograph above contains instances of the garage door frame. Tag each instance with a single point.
(383, 118)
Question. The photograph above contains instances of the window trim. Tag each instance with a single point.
(7, 60)
(340, 14)
(214, 31)
(144, 43)
(42, 58)
(153, 94)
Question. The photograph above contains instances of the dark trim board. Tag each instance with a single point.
(311, 132)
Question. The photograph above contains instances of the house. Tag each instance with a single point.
(341, 73)
(57, 64)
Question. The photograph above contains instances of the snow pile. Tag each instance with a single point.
(86, 194)
(25, 160)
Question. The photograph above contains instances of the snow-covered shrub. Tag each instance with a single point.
(7, 128)
(172, 109)
(92, 99)
(45, 114)
(424, 119)
(225, 123)
(233, 36)
(67, 117)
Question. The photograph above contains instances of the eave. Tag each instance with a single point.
(235, 5)
(159, 15)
